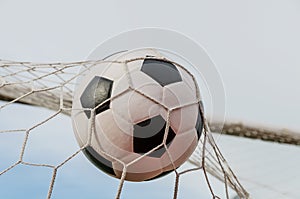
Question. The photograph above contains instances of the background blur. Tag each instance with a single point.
(255, 45)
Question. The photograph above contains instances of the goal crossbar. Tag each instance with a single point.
(51, 100)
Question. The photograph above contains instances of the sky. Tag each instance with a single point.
(254, 44)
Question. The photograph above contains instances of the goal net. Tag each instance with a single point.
(51, 86)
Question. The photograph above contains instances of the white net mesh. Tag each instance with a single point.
(51, 86)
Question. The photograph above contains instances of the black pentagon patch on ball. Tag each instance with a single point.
(162, 71)
(199, 123)
(99, 161)
(96, 92)
(149, 134)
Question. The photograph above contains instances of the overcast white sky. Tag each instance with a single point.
(255, 45)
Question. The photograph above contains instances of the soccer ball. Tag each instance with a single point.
(140, 111)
